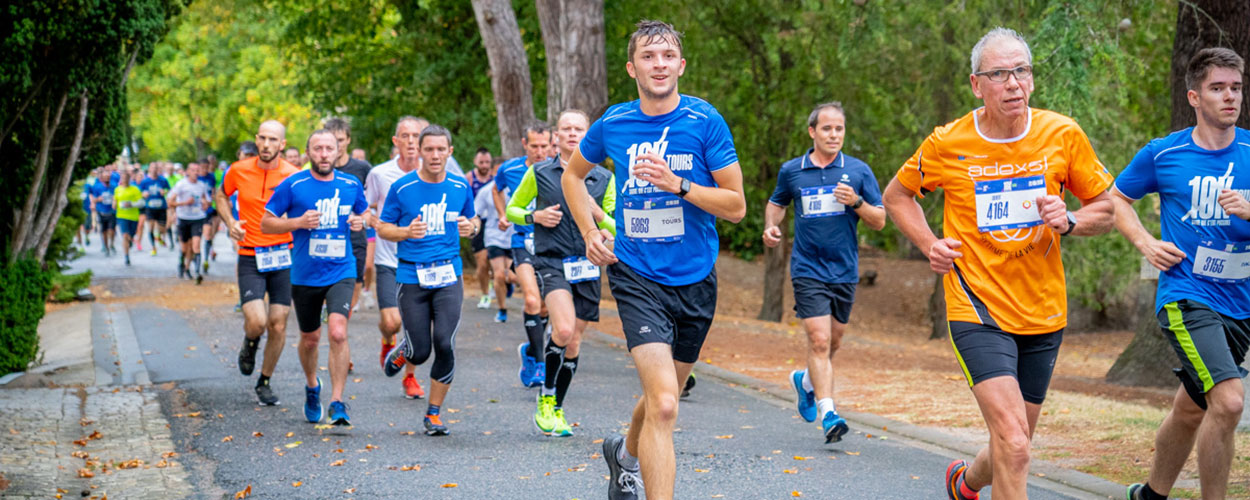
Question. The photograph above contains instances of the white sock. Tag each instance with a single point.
(807, 381)
(627, 461)
(825, 406)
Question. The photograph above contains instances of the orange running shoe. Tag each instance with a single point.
(434, 426)
(412, 388)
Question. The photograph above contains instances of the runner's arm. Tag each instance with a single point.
(521, 198)
(391, 232)
(872, 215)
(1161, 254)
(900, 204)
(773, 215)
(500, 204)
(1096, 216)
(608, 220)
(725, 200)
(226, 216)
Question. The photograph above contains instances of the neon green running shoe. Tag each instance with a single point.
(562, 428)
(545, 416)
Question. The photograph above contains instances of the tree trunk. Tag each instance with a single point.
(937, 310)
(26, 216)
(776, 271)
(4, 135)
(576, 63)
(1147, 359)
(1201, 24)
(509, 71)
(54, 205)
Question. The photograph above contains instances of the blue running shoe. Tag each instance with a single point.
(540, 374)
(526, 373)
(835, 427)
(312, 403)
(338, 413)
(806, 399)
(501, 316)
(394, 361)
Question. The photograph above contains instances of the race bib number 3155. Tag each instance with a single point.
(1009, 203)
(1222, 262)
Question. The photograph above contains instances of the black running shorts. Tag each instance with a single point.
(550, 273)
(1210, 346)
(188, 229)
(336, 297)
(985, 352)
(815, 298)
(385, 287)
(253, 284)
(679, 316)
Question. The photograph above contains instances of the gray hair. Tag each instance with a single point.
(995, 35)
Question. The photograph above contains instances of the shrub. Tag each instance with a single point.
(23, 288)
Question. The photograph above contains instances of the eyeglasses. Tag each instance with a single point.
(1000, 75)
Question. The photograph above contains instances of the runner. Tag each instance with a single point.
(264, 263)
(1203, 300)
(84, 229)
(536, 139)
(385, 262)
(676, 171)
(320, 207)
(154, 188)
(570, 283)
(189, 197)
(129, 202)
(481, 175)
(422, 206)
(1004, 168)
(102, 207)
(360, 170)
(211, 176)
(498, 243)
(292, 156)
(833, 191)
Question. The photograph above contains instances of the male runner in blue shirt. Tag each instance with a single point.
(676, 172)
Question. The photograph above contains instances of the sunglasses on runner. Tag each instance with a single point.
(1000, 75)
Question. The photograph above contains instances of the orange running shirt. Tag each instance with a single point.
(1011, 274)
(255, 186)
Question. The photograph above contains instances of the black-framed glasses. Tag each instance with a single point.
(1000, 75)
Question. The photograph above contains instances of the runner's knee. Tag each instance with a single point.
(662, 408)
(1225, 404)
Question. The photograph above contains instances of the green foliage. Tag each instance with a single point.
(23, 287)
(65, 287)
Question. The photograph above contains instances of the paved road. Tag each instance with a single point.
(732, 443)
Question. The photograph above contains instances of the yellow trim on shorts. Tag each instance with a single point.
(959, 357)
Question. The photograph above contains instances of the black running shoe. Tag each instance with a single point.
(690, 381)
(265, 395)
(623, 484)
(247, 355)
(1134, 491)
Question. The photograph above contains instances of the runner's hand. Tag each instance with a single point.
(504, 224)
(1054, 212)
(772, 236)
(356, 222)
(942, 255)
(1161, 254)
(599, 247)
(465, 225)
(237, 231)
(652, 168)
(549, 217)
(1234, 203)
(845, 194)
(417, 228)
(310, 220)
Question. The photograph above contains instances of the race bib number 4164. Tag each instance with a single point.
(1009, 203)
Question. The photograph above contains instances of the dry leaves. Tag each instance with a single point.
(450, 485)
(227, 439)
(297, 484)
(246, 492)
(726, 436)
(293, 444)
(338, 463)
(84, 473)
(258, 434)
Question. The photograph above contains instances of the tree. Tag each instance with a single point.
(510, 73)
(576, 66)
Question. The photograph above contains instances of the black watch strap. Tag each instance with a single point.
(529, 219)
(858, 203)
(685, 188)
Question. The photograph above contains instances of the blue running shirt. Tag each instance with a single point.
(695, 141)
(321, 256)
(507, 180)
(1188, 180)
(438, 204)
(826, 241)
(152, 192)
(105, 194)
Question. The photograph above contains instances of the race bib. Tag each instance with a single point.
(529, 243)
(653, 220)
(327, 245)
(578, 269)
(1009, 203)
(436, 275)
(819, 202)
(1222, 262)
(156, 203)
(274, 258)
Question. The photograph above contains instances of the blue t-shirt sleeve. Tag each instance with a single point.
(280, 201)
(592, 147)
(361, 204)
(718, 148)
(1138, 178)
(467, 210)
(870, 191)
(781, 195)
(391, 210)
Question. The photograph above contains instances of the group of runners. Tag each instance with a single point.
(554, 221)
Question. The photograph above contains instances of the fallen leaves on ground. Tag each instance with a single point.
(244, 493)
(84, 473)
(790, 471)
(227, 439)
(293, 444)
(129, 464)
(297, 484)
(370, 447)
(258, 434)
(450, 485)
(349, 491)
(290, 434)
(856, 453)
(796, 493)
(726, 436)
(79, 454)
(338, 463)
(162, 464)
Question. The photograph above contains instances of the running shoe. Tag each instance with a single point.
(312, 403)
(806, 399)
(247, 355)
(386, 348)
(338, 414)
(545, 416)
(484, 302)
(501, 316)
(690, 381)
(394, 361)
(1134, 491)
(954, 478)
(139, 245)
(835, 427)
(623, 484)
(153, 252)
(540, 374)
(509, 295)
(205, 266)
(562, 428)
(212, 255)
(199, 278)
(265, 395)
(127, 260)
(412, 388)
(526, 372)
(434, 426)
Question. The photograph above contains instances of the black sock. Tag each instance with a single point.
(533, 330)
(152, 238)
(564, 378)
(262, 380)
(1149, 494)
(195, 262)
(552, 357)
(209, 246)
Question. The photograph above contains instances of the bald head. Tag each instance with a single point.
(270, 140)
(273, 127)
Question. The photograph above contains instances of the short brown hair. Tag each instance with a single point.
(336, 124)
(1213, 57)
(648, 31)
(812, 118)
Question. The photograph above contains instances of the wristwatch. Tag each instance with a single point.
(858, 203)
(529, 219)
(685, 188)
(1071, 224)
